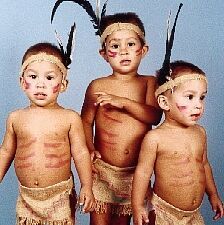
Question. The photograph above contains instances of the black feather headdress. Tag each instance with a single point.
(67, 53)
(94, 15)
(164, 72)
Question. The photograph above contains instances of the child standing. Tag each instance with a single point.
(122, 107)
(177, 153)
(41, 139)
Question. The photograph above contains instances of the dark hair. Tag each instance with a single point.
(178, 67)
(128, 17)
(46, 47)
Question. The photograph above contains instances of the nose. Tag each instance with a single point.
(40, 83)
(123, 50)
(198, 104)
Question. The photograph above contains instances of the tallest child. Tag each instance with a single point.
(122, 107)
(118, 110)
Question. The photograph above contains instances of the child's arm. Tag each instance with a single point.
(82, 161)
(147, 113)
(88, 116)
(8, 148)
(142, 177)
(211, 189)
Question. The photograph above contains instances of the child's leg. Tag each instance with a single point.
(100, 218)
(120, 220)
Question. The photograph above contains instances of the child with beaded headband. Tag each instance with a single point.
(115, 103)
(119, 109)
(176, 151)
(41, 139)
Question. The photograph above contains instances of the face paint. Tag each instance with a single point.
(26, 84)
(112, 54)
(138, 52)
(181, 108)
(56, 88)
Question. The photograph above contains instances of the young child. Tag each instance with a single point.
(122, 108)
(177, 153)
(41, 139)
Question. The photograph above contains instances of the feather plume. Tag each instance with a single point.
(94, 16)
(165, 70)
(85, 5)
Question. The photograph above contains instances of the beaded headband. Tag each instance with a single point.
(121, 26)
(177, 81)
(44, 57)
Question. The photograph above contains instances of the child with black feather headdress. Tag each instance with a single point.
(117, 112)
(42, 139)
(176, 151)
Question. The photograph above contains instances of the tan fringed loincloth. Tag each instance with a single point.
(53, 205)
(112, 186)
(167, 214)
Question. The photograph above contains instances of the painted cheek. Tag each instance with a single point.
(26, 85)
(112, 54)
(56, 88)
(182, 108)
(138, 52)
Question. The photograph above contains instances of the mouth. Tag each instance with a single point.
(125, 62)
(40, 95)
(195, 117)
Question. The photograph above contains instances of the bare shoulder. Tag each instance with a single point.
(200, 130)
(70, 114)
(153, 136)
(148, 78)
(16, 114)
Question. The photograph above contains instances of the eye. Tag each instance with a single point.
(33, 76)
(190, 96)
(49, 77)
(202, 97)
(131, 44)
(115, 46)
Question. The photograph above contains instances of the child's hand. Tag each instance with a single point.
(104, 99)
(86, 200)
(217, 206)
(94, 155)
(140, 217)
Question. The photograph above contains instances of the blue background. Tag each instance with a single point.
(199, 39)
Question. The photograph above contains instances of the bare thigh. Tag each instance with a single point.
(109, 219)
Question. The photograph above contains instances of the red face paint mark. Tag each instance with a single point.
(56, 88)
(138, 51)
(181, 108)
(112, 54)
(111, 118)
(26, 85)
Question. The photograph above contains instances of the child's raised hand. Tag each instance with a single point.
(104, 99)
(86, 200)
(217, 206)
(141, 217)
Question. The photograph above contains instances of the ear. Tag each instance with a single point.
(22, 83)
(64, 85)
(103, 53)
(163, 102)
(145, 50)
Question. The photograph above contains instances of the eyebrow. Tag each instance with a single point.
(118, 39)
(47, 72)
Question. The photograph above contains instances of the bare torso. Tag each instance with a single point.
(43, 155)
(179, 169)
(118, 135)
